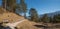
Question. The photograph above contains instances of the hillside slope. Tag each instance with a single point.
(12, 18)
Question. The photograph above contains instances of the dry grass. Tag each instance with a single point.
(12, 17)
(26, 25)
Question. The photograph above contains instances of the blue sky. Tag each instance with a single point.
(43, 6)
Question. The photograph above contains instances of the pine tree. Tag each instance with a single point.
(56, 18)
(4, 3)
(34, 15)
(9, 4)
(45, 18)
(23, 7)
(50, 19)
(13, 5)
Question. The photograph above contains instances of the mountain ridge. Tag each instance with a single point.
(51, 14)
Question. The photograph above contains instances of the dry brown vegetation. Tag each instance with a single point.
(27, 25)
(12, 17)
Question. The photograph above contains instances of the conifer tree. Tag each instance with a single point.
(23, 7)
(4, 3)
(45, 18)
(33, 15)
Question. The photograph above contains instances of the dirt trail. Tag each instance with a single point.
(13, 25)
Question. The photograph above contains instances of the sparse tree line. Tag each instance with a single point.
(53, 19)
(12, 6)
(45, 18)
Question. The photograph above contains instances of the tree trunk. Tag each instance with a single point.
(25, 15)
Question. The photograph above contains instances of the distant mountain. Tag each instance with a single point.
(51, 14)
